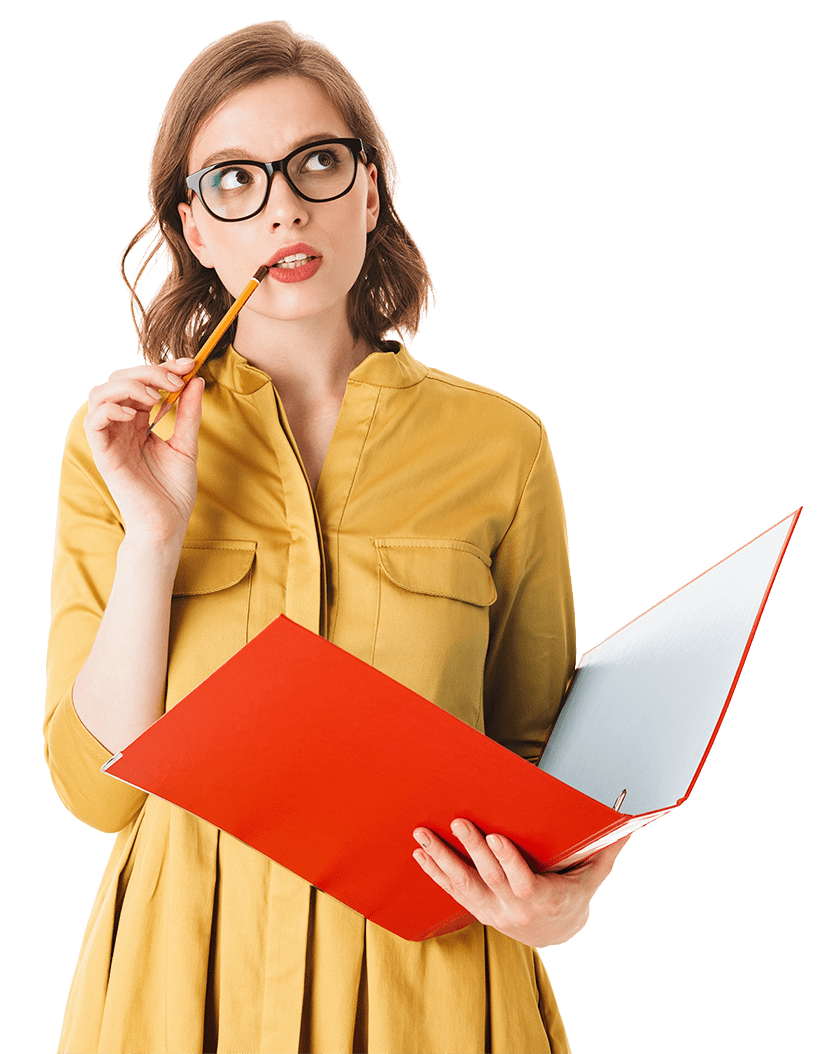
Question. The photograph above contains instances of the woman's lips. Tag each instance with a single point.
(295, 263)
(298, 272)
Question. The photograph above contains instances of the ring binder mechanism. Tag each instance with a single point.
(642, 712)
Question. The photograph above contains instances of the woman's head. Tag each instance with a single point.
(393, 285)
(238, 218)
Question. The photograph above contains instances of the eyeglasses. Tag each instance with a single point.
(319, 171)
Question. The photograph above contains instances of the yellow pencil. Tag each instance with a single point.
(211, 342)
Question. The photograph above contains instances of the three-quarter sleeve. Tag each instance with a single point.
(531, 654)
(88, 536)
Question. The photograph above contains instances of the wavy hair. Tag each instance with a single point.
(393, 286)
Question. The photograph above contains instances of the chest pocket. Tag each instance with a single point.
(210, 602)
(432, 621)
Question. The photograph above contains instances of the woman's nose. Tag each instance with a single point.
(284, 207)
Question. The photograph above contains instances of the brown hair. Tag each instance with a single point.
(393, 287)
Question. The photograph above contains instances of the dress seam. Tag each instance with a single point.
(524, 488)
(333, 615)
(454, 382)
(438, 543)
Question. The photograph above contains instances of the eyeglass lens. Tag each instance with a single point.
(232, 192)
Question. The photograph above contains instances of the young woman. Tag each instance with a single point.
(316, 469)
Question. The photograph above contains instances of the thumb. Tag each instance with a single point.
(187, 419)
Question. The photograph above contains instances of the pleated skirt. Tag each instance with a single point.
(198, 944)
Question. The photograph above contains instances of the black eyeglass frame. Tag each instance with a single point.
(356, 146)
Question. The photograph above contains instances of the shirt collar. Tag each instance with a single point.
(385, 369)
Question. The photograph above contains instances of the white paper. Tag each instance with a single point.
(644, 704)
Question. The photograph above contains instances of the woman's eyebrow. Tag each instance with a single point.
(240, 153)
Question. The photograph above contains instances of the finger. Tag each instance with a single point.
(124, 390)
(431, 868)
(179, 371)
(153, 373)
(143, 391)
(521, 879)
(98, 423)
(106, 414)
(450, 872)
(180, 366)
(460, 889)
(484, 859)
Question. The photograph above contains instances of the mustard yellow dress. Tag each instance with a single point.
(434, 547)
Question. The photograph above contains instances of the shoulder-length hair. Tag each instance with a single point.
(393, 287)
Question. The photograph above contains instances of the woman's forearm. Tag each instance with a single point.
(119, 690)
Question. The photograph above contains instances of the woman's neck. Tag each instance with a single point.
(306, 358)
(308, 361)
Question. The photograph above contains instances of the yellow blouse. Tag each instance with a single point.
(434, 547)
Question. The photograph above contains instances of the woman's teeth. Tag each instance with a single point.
(293, 261)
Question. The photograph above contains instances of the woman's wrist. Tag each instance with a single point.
(150, 559)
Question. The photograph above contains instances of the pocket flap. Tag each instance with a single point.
(208, 566)
(439, 567)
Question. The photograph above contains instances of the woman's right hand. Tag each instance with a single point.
(153, 481)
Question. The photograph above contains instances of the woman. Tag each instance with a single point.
(314, 469)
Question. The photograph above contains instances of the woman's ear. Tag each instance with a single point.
(192, 235)
(372, 197)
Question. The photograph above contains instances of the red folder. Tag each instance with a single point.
(326, 765)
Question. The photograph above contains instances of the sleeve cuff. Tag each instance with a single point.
(75, 758)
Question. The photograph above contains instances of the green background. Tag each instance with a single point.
(644, 259)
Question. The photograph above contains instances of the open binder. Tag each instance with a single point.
(629, 742)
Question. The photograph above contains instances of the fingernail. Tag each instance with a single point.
(494, 842)
(174, 378)
(422, 838)
(459, 828)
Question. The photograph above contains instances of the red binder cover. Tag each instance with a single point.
(237, 751)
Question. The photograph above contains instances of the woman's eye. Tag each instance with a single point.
(319, 161)
(232, 179)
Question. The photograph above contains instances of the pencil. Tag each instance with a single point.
(172, 397)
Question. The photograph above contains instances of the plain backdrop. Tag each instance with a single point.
(630, 211)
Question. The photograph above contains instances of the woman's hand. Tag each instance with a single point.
(152, 481)
(502, 891)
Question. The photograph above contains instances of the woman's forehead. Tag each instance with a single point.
(266, 120)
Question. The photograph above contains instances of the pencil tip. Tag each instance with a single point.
(261, 272)
(160, 414)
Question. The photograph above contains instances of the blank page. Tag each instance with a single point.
(644, 704)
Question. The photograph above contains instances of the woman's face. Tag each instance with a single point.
(265, 122)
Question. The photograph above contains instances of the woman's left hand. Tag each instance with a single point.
(502, 891)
